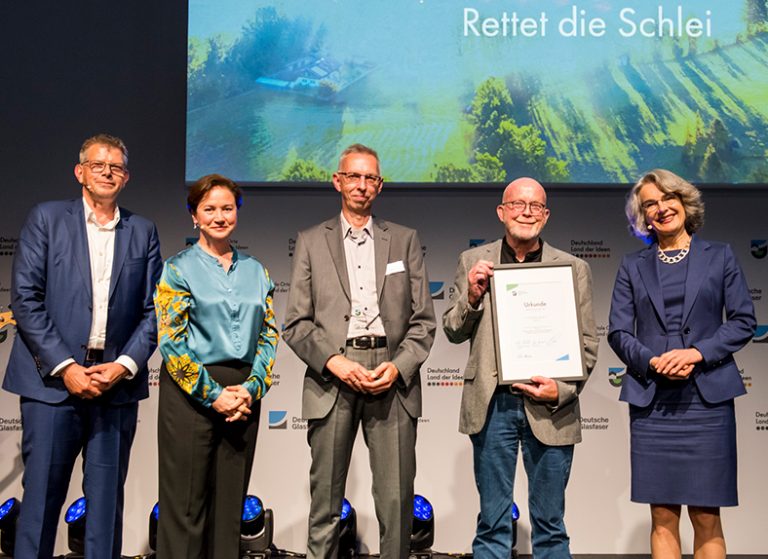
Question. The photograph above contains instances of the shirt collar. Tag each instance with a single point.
(346, 227)
(90, 217)
(533, 256)
(212, 259)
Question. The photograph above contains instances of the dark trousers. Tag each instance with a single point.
(53, 436)
(205, 466)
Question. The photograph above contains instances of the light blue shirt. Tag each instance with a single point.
(208, 315)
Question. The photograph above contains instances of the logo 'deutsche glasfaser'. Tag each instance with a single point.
(761, 334)
(437, 289)
(278, 419)
(616, 375)
(759, 248)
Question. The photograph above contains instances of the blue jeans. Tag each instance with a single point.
(547, 467)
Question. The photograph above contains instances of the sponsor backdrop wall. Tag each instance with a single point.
(588, 224)
(76, 72)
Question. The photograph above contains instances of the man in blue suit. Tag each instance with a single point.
(83, 278)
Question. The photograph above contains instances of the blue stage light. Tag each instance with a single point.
(7, 507)
(346, 508)
(76, 511)
(9, 512)
(75, 519)
(347, 531)
(515, 518)
(423, 527)
(252, 508)
(422, 509)
(256, 528)
(154, 516)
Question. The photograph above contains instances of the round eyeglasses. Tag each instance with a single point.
(535, 208)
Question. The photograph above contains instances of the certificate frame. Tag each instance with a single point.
(549, 341)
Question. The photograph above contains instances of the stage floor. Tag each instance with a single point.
(575, 556)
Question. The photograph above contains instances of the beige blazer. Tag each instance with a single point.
(553, 424)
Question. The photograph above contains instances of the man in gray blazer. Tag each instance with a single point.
(360, 316)
(543, 416)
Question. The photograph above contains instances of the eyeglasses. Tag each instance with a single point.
(650, 206)
(99, 167)
(535, 208)
(351, 178)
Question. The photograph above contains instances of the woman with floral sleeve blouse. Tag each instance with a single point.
(218, 337)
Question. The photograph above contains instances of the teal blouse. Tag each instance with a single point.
(207, 315)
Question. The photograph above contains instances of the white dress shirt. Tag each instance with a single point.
(101, 250)
(365, 319)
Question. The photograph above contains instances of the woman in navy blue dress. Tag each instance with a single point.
(680, 309)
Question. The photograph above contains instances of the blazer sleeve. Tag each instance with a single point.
(309, 343)
(143, 340)
(28, 295)
(414, 348)
(740, 323)
(460, 319)
(621, 324)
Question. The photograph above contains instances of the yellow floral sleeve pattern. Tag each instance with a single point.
(172, 301)
(260, 379)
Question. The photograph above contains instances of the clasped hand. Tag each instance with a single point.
(234, 402)
(360, 379)
(92, 382)
(677, 363)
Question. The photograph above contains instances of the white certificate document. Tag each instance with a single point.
(536, 322)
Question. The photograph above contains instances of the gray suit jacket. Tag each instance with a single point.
(317, 317)
(553, 424)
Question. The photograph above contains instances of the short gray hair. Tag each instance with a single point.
(104, 140)
(360, 148)
(669, 183)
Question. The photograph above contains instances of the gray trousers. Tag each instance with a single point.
(390, 434)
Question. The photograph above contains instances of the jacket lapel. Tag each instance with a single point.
(697, 270)
(547, 254)
(336, 248)
(123, 232)
(646, 267)
(79, 243)
(381, 241)
(493, 252)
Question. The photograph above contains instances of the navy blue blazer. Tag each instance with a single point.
(715, 284)
(51, 300)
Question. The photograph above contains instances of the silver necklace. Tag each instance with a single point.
(676, 258)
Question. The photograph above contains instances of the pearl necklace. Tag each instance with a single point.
(676, 258)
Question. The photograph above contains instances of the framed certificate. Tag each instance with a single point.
(536, 322)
